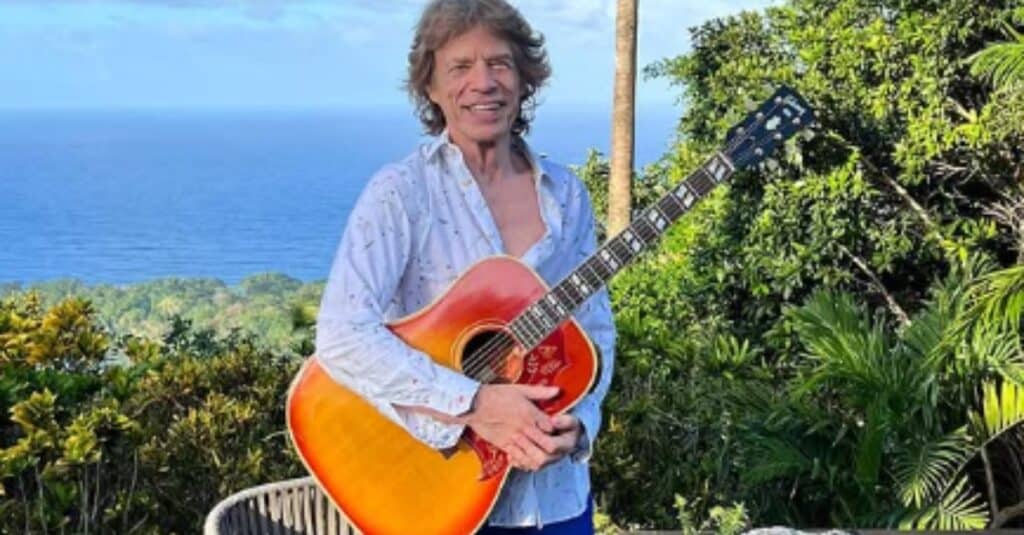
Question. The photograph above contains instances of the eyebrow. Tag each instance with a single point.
(503, 55)
(464, 59)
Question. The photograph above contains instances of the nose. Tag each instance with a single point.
(482, 78)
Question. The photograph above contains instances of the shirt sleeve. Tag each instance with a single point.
(352, 342)
(596, 319)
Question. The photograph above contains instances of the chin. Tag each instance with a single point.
(489, 133)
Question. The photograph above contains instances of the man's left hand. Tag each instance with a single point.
(536, 449)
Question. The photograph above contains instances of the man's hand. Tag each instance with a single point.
(537, 449)
(507, 416)
(500, 411)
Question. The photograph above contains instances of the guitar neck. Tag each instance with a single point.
(541, 318)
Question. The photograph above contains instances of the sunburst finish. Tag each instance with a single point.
(385, 481)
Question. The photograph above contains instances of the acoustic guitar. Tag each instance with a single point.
(498, 321)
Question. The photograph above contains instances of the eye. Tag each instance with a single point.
(459, 68)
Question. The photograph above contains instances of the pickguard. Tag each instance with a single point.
(540, 367)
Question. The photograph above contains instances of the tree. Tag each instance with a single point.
(623, 113)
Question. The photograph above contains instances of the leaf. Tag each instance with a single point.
(923, 469)
(1002, 408)
(960, 509)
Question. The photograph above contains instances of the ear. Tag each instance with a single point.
(432, 92)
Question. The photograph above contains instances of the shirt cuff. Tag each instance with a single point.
(583, 451)
(452, 394)
(590, 421)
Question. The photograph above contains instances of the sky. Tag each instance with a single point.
(113, 54)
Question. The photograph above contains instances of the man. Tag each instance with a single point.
(475, 190)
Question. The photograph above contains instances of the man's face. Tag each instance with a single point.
(477, 86)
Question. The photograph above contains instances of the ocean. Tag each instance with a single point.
(128, 196)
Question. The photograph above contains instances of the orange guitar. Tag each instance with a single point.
(499, 321)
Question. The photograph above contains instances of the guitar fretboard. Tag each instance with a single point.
(541, 318)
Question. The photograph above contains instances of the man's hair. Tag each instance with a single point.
(444, 20)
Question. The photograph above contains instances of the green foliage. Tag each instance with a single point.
(810, 340)
(261, 306)
(149, 443)
(1001, 63)
(960, 510)
(724, 520)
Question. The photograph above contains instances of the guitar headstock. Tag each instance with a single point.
(769, 126)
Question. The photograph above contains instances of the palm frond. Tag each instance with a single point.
(922, 469)
(868, 456)
(777, 458)
(1001, 63)
(998, 298)
(993, 348)
(847, 346)
(960, 509)
(1002, 408)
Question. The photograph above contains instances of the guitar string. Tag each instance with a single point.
(497, 348)
(489, 355)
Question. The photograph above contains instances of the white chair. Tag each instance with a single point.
(283, 508)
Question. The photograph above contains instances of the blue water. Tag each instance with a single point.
(122, 197)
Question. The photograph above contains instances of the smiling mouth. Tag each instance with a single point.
(490, 106)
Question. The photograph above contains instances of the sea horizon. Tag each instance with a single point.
(131, 195)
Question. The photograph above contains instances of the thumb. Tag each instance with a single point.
(539, 392)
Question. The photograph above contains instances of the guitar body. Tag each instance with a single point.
(387, 482)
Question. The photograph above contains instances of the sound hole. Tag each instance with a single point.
(492, 357)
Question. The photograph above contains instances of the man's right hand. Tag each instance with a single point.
(507, 416)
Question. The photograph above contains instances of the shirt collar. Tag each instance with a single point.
(436, 143)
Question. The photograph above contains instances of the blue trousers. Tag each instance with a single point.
(581, 525)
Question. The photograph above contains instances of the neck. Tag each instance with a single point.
(489, 161)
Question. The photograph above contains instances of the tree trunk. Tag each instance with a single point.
(623, 112)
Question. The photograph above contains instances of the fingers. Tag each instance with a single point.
(538, 392)
(529, 456)
(516, 456)
(542, 440)
(565, 422)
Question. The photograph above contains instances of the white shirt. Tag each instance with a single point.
(416, 226)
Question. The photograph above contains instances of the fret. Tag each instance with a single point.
(657, 219)
(661, 206)
(685, 194)
(532, 331)
(620, 247)
(647, 235)
(555, 303)
(518, 332)
(719, 168)
(632, 241)
(567, 298)
(541, 320)
(573, 292)
(703, 181)
(673, 206)
(550, 313)
(609, 259)
(603, 270)
(579, 281)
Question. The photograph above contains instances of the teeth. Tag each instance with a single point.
(477, 107)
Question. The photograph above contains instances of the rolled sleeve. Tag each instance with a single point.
(352, 342)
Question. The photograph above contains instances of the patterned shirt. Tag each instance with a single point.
(417, 225)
